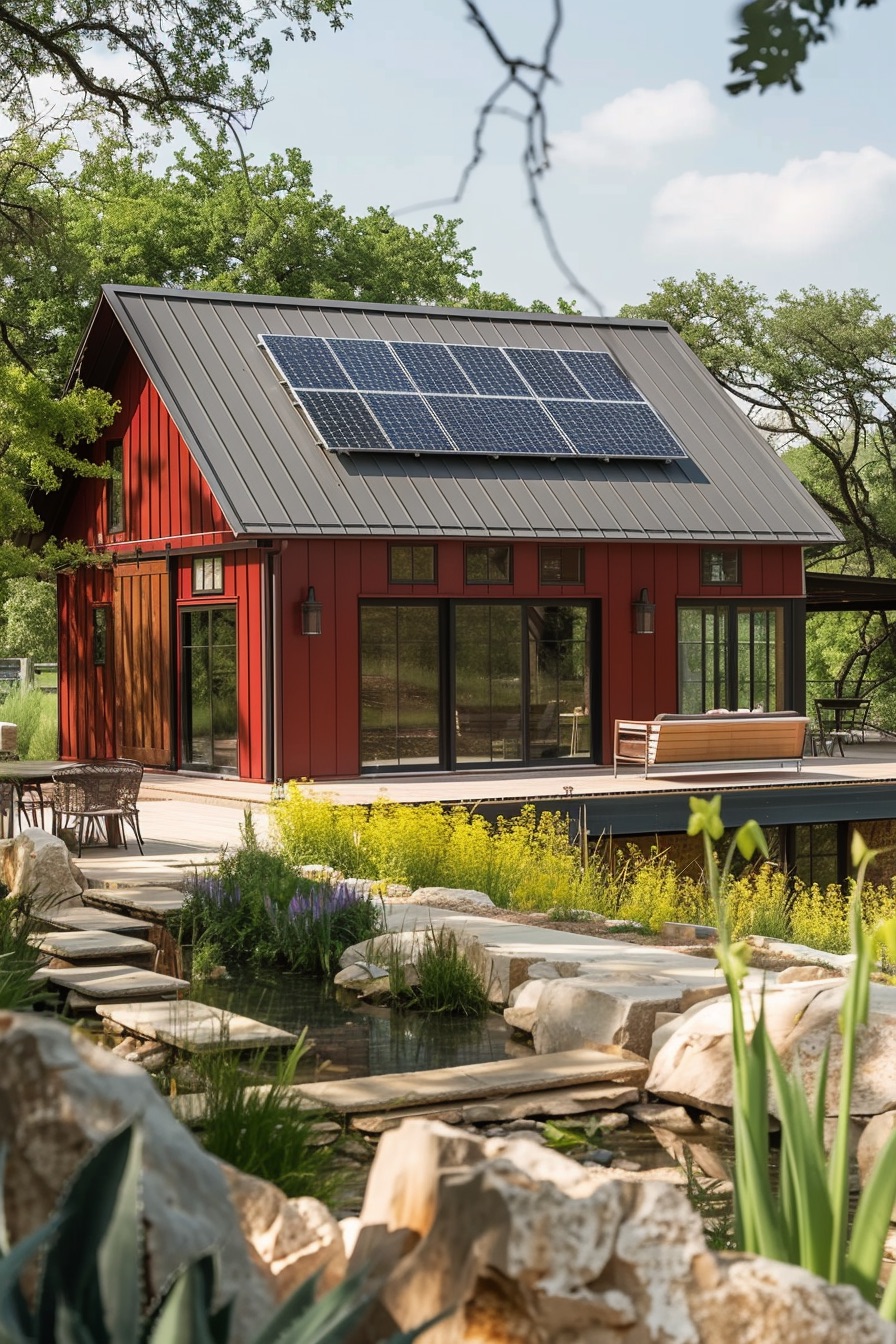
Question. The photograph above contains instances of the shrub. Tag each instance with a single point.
(649, 890)
(314, 929)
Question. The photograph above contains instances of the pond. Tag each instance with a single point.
(353, 1039)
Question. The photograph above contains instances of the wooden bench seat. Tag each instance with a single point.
(691, 739)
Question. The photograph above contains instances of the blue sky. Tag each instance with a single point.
(657, 170)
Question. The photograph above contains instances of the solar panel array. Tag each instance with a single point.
(421, 397)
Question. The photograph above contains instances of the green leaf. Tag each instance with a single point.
(706, 817)
(872, 1222)
(185, 1312)
(751, 838)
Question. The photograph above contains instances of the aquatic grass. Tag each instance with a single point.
(18, 959)
(446, 981)
(256, 1126)
(806, 1221)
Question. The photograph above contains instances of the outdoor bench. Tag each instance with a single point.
(690, 739)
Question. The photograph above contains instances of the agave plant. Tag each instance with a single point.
(90, 1288)
(806, 1220)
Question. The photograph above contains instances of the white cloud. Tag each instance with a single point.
(627, 131)
(804, 207)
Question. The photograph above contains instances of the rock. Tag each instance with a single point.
(588, 1012)
(293, 1238)
(672, 931)
(874, 1136)
(403, 945)
(60, 1096)
(799, 952)
(38, 866)
(319, 872)
(361, 976)
(658, 1115)
(693, 1066)
(521, 1010)
(598, 1157)
(518, 1245)
(794, 974)
(126, 1046)
(451, 898)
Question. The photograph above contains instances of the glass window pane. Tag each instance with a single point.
(720, 565)
(559, 682)
(115, 488)
(702, 659)
(561, 564)
(400, 564)
(400, 685)
(424, 564)
(477, 564)
(488, 683)
(100, 635)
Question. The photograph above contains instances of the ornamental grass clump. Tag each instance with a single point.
(805, 1221)
(443, 981)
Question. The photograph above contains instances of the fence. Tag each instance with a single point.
(27, 675)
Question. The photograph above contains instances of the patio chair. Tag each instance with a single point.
(840, 719)
(95, 797)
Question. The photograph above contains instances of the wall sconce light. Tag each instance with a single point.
(311, 614)
(642, 614)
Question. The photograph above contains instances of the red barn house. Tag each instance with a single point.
(356, 537)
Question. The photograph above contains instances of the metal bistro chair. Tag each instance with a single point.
(95, 795)
(841, 719)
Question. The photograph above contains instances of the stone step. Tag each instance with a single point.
(194, 1026)
(502, 1078)
(111, 984)
(91, 917)
(561, 1101)
(152, 903)
(77, 945)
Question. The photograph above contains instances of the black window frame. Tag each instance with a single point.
(489, 549)
(216, 588)
(707, 556)
(563, 554)
(414, 547)
(100, 634)
(116, 521)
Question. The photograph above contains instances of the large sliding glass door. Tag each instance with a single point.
(731, 655)
(466, 684)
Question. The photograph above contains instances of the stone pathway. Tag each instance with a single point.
(78, 945)
(194, 1026)
(152, 903)
(112, 983)
(89, 917)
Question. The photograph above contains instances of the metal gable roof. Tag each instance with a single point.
(271, 477)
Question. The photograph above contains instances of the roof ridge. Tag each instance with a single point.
(360, 306)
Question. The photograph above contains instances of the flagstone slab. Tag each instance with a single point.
(194, 1027)
(152, 903)
(559, 1101)
(91, 945)
(500, 1078)
(90, 917)
(111, 983)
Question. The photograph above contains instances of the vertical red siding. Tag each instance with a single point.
(637, 676)
(86, 692)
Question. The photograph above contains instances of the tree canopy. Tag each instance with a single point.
(162, 60)
(776, 38)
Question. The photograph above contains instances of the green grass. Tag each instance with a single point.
(34, 713)
(443, 979)
(18, 960)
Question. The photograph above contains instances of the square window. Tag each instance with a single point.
(721, 566)
(115, 488)
(412, 564)
(561, 564)
(489, 564)
(100, 635)
(208, 574)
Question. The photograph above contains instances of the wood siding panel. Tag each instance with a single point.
(143, 663)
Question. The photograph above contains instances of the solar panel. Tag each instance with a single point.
(432, 367)
(409, 423)
(423, 397)
(499, 425)
(371, 365)
(600, 375)
(489, 372)
(343, 421)
(546, 374)
(305, 361)
(607, 429)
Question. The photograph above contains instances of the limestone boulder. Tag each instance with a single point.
(874, 1136)
(693, 1065)
(60, 1096)
(37, 866)
(586, 1012)
(523, 1005)
(293, 1238)
(452, 898)
(518, 1245)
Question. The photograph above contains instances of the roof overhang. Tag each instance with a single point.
(849, 592)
